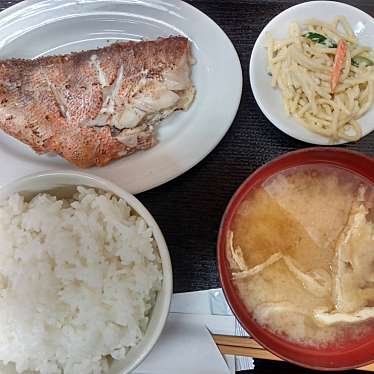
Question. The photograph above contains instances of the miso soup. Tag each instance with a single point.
(301, 251)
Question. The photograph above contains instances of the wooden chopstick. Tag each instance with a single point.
(244, 351)
(236, 345)
(236, 341)
(367, 368)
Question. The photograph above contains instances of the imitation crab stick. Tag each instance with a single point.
(338, 64)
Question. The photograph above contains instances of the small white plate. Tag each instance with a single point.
(269, 99)
(36, 28)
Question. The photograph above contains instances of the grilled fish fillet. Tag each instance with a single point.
(95, 106)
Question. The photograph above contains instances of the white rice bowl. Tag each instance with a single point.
(78, 280)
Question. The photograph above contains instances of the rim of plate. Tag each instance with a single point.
(257, 49)
(165, 175)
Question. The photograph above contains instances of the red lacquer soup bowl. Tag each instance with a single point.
(351, 354)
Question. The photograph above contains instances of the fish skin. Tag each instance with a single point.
(47, 103)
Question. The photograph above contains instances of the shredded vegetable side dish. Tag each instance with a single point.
(325, 76)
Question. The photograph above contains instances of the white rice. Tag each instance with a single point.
(78, 280)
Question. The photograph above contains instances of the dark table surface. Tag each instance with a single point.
(189, 208)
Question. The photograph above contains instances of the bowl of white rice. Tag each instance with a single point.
(85, 276)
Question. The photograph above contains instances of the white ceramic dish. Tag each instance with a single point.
(36, 28)
(269, 99)
(65, 183)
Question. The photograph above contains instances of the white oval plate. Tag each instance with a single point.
(269, 99)
(36, 28)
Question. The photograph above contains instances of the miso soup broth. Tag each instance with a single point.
(301, 251)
